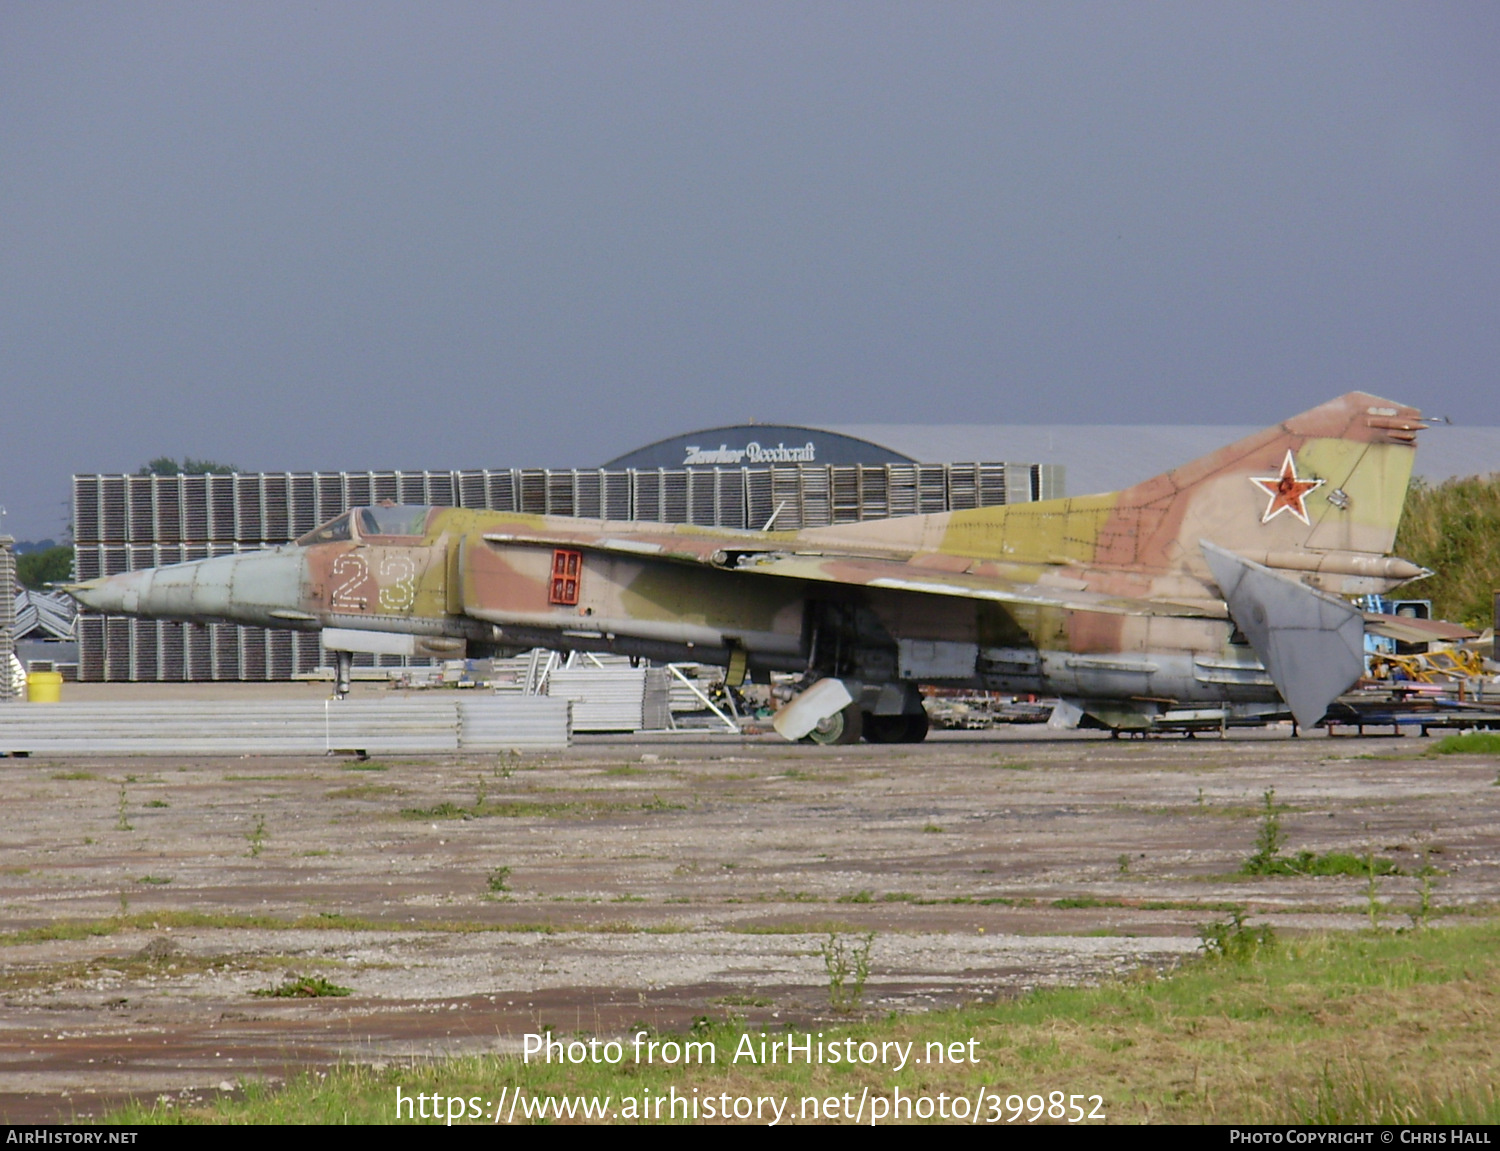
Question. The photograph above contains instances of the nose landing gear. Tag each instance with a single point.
(345, 664)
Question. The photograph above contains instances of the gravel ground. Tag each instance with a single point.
(633, 881)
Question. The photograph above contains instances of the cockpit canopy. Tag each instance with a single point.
(405, 520)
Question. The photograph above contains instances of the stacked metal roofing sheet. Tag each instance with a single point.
(7, 617)
(125, 523)
(603, 698)
(388, 726)
(53, 616)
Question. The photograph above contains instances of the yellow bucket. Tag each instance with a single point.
(44, 686)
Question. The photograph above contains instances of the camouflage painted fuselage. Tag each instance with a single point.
(1103, 598)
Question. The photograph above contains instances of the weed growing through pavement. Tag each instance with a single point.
(1269, 840)
(847, 961)
(1423, 911)
(499, 878)
(304, 987)
(1234, 941)
(1124, 862)
(257, 837)
(1372, 893)
(1268, 860)
(121, 822)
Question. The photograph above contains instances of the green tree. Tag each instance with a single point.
(167, 466)
(1454, 529)
(52, 565)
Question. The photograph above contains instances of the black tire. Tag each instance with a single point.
(917, 725)
(840, 728)
(886, 728)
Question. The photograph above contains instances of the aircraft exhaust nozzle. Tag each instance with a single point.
(264, 587)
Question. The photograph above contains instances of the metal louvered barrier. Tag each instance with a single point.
(123, 523)
(388, 726)
(603, 698)
(505, 722)
(7, 616)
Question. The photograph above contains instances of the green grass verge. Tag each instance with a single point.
(1469, 743)
(1454, 529)
(1366, 1028)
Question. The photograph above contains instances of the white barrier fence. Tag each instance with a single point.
(468, 724)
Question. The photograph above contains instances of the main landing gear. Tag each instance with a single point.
(910, 727)
(835, 713)
(850, 725)
(842, 727)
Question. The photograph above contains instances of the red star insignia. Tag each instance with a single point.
(1287, 492)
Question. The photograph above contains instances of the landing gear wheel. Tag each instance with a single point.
(885, 728)
(916, 727)
(842, 727)
(909, 728)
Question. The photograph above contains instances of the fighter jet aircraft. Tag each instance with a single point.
(1219, 584)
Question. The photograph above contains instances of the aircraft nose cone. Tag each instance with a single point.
(253, 587)
(86, 593)
(113, 595)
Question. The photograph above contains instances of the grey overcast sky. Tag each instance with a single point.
(354, 235)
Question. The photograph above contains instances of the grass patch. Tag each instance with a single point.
(150, 961)
(325, 920)
(1469, 743)
(821, 927)
(365, 765)
(525, 809)
(1270, 839)
(74, 775)
(1352, 1028)
(155, 879)
(1013, 765)
(1084, 901)
(304, 987)
(361, 791)
(1332, 863)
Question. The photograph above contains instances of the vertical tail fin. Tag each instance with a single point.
(1320, 494)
